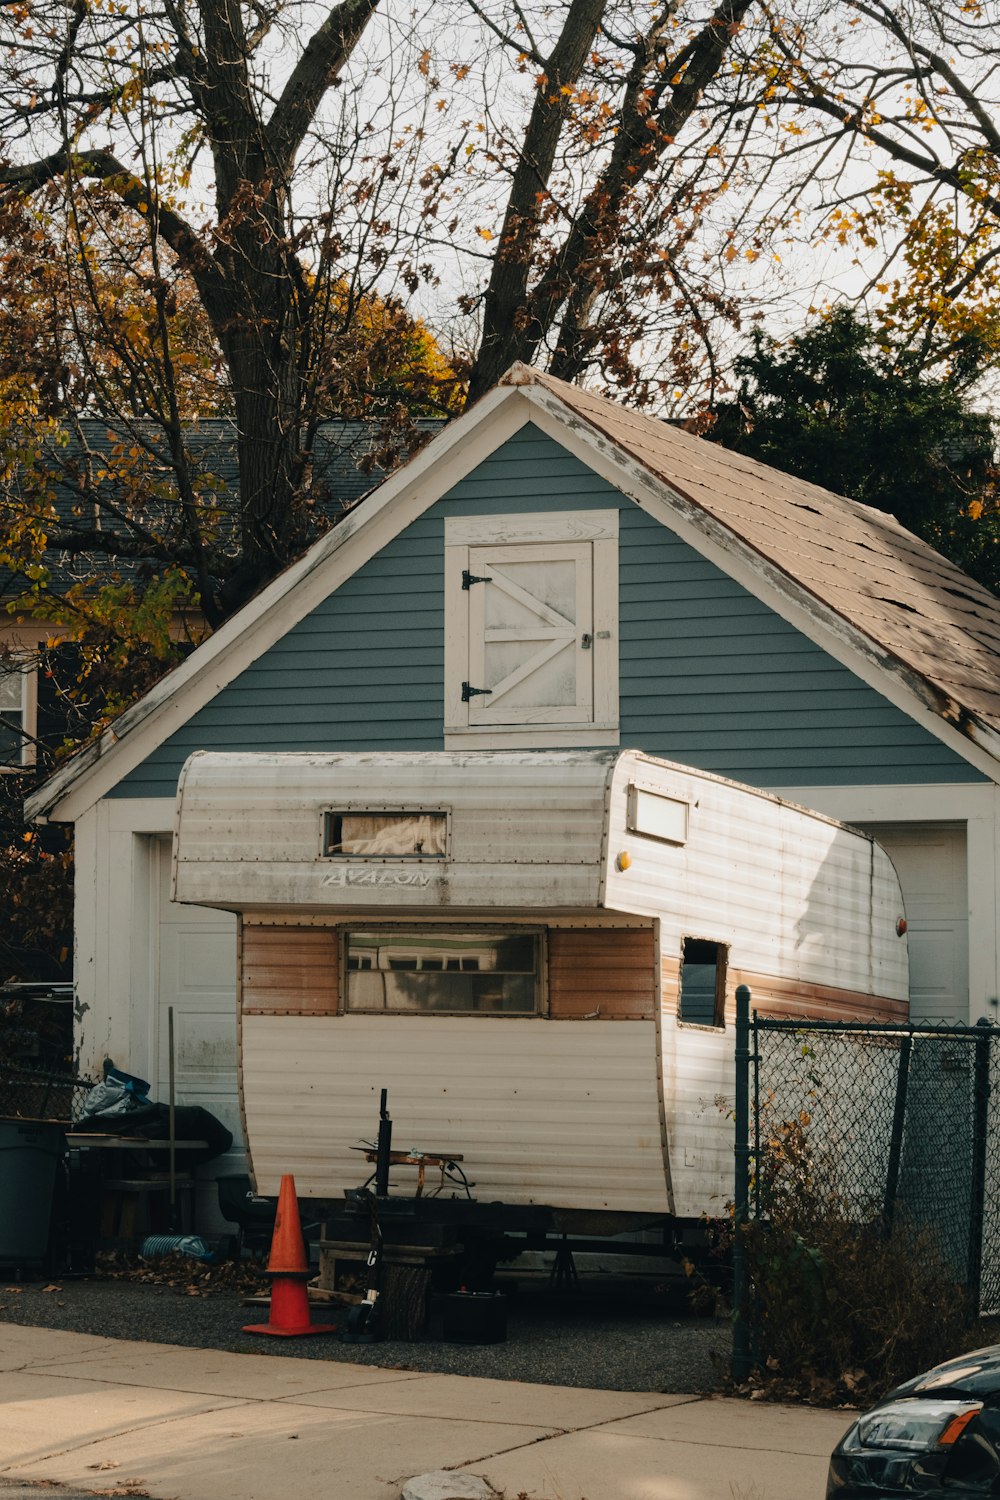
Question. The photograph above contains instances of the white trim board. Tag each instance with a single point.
(400, 500)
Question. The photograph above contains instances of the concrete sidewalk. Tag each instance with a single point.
(193, 1424)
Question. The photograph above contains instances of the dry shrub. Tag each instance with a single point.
(842, 1307)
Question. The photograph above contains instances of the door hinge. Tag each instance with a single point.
(471, 692)
(468, 579)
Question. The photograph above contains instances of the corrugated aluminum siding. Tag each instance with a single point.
(796, 895)
(565, 1114)
(709, 675)
(525, 831)
(699, 1083)
(790, 894)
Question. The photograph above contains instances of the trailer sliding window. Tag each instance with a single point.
(383, 834)
(702, 999)
(429, 971)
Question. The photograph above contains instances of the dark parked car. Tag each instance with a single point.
(936, 1435)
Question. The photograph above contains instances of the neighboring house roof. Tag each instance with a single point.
(343, 470)
(852, 579)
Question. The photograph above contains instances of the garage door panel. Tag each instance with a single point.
(197, 979)
(202, 958)
(931, 861)
(939, 964)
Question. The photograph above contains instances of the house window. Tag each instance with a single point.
(702, 998)
(531, 629)
(372, 834)
(432, 972)
(17, 713)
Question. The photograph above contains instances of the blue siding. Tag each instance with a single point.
(709, 675)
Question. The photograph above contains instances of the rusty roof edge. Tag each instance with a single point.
(972, 727)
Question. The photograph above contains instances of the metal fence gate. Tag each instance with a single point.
(906, 1118)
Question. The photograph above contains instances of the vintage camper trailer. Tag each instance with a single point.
(535, 952)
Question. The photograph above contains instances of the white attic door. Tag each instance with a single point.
(531, 634)
(531, 626)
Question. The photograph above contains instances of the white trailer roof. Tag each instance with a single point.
(516, 831)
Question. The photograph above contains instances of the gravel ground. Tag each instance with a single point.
(606, 1334)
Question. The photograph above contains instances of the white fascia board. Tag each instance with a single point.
(910, 802)
(899, 684)
(237, 644)
(152, 815)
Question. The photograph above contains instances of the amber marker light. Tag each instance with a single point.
(624, 860)
(957, 1426)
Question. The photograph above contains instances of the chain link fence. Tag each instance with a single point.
(36, 1053)
(35, 1094)
(902, 1124)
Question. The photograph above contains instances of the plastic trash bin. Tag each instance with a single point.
(29, 1153)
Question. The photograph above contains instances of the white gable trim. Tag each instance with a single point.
(400, 500)
(247, 635)
(897, 683)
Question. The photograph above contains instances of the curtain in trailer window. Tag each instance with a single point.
(386, 835)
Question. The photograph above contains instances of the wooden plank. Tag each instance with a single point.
(774, 996)
(294, 971)
(610, 972)
(790, 997)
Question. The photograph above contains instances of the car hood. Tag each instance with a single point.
(976, 1374)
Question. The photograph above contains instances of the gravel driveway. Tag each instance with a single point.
(604, 1335)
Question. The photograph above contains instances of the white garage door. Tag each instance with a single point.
(197, 977)
(931, 862)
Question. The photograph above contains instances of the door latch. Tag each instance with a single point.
(586, 640)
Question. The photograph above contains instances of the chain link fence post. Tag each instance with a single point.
(896, 1137)
(980, 1133)
(742, 1361)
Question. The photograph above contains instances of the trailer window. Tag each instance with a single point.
(450, 973)
(656, 816)
(702, 998)
(371, 834)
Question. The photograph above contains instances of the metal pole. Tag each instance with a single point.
(980, 1126)
(742, 1361)
(171, 1114)
(384, 1149)
(896, 1139)
(755, 1060)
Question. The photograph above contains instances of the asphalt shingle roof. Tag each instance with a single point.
(887, 584)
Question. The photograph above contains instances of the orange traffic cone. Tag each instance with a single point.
(289, 1271)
